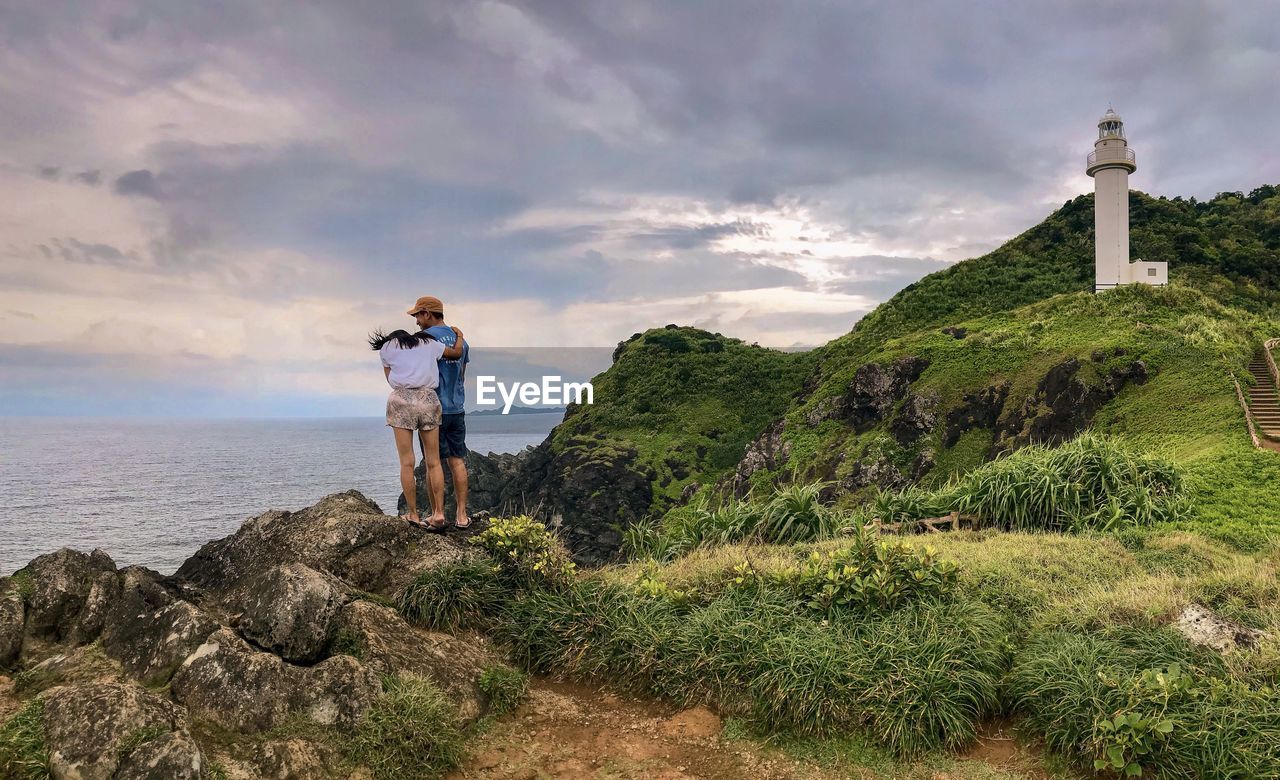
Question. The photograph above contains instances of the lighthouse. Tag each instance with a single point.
(1110, 164)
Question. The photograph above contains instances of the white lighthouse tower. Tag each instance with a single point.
(1110, 164)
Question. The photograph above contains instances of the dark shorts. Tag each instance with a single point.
(453, 435)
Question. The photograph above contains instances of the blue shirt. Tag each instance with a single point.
(452, 390)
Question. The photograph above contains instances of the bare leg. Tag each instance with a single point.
(404, 447)
(458, 470)
(435, 475)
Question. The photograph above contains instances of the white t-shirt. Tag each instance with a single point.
(412, 367)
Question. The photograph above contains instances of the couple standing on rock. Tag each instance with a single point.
(426, 371)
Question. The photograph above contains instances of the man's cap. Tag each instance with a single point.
(426, 303)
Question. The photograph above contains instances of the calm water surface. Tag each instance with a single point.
(152, 491)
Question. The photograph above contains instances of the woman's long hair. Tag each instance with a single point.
(404, 338)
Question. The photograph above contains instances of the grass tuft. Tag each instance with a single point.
(504, 688)
(464, 594)
(23, 755)
(1092, 483)
(410, 732)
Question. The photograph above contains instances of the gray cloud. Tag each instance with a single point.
(574, 152)
(141, 183)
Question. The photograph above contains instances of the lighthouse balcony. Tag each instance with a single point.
(1111, 157)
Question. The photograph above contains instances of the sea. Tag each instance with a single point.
(152, 491)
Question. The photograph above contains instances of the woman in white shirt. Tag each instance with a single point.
(409, 364)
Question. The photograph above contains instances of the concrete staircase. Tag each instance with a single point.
(1264, 402)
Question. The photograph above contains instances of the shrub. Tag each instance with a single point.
(411, 731)
(462, 594)
(869, 575)
(23, 755)
(1092, 482)
(503, 687)
(528, 555)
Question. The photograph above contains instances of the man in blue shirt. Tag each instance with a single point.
(429, 314)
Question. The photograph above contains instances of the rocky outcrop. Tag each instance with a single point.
(917, 417)
(980, 409)
(345, 535)
(874, 391)
(292, 611)
(151, 630)
(229, 683)
(768, 452)
(108, 730)
(71, 593)
(876, 468)
(274, 626)
(388, 645)
(1064, 404)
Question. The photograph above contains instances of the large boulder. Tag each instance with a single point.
(390, 646)
(151, 631)
(292, 611)
(344, 535)
(229, 683)
(70, 594)
(13, 619)
(107, 730)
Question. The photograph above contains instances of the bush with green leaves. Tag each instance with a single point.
(527, 554)
(868, 575)
(503, 688)
(23, 755)
(1091, 483)
(454, 595)
(411, 731)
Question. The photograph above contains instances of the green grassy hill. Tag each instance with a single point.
(1028, 354)
(976, 360)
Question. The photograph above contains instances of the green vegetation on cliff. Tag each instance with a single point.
(687, 401)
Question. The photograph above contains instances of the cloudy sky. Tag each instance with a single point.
(204, 207)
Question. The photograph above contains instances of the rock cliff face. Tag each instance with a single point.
(589, 493)
(139, 675)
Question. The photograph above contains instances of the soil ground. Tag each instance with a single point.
(566, 730)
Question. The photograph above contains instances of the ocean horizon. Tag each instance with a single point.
(151, 491)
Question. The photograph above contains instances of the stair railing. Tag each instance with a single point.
(1267, 346)
(1248, 414)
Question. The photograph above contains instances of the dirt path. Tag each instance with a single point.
(574, 731)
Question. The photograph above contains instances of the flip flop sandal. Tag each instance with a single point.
(414, 523)
(462, 526)
(431, 528)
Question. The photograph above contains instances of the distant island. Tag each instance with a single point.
(518, 410)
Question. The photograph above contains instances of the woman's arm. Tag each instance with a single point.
(455, 352)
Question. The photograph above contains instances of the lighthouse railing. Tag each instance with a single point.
(1129, 155)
